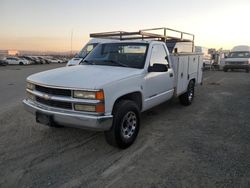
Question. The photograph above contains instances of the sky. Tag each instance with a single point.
(47, 25)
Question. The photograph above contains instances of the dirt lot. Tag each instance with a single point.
(204, 145)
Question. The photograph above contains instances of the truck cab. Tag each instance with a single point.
(85, 51)
(238, 58)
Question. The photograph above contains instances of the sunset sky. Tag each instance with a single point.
(46, 25)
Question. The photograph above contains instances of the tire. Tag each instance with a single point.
(225, 69)
(21, 63)
(55, 125)
(217, 67)
(247, 70)
(123, 134)
(186, 99)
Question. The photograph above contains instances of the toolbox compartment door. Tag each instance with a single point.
(186, 66)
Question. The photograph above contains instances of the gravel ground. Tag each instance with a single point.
(203, 145)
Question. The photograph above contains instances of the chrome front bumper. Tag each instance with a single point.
(71, 119)
(237, 66)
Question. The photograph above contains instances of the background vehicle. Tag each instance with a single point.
(238, 58)
(16, 61)
(41, 60)
(219, 58)
(50, 59)
(115, 83)
(85, 51)
(3, 62)
(30, 59)
(207, 58)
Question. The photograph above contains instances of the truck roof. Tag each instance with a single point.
(99, 40)
(129, 41)
(241, 48)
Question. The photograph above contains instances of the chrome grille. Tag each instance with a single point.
(52, 103)
(53, 91)
(236, 63)
(59, 98)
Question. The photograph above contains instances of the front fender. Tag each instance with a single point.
(120, 88)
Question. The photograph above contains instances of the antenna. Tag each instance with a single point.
(71, 41)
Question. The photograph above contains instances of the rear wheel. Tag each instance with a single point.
(21, 63)
(187, 98)
(126, 124)
(225, 69)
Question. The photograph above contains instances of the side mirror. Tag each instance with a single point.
(158, 68)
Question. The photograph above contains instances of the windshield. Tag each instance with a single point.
(118, 54)
(86, 50)
(239, 54)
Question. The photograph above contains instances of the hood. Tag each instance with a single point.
(74, 61)
(83, 76)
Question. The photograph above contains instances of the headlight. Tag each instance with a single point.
(100, 108)
(30, 86)
(95, 95)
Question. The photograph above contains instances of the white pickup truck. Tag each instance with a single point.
(115, 83)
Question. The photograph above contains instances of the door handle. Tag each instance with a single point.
(171, 74)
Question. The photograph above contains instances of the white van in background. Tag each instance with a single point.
(85, 51)
(238, 58)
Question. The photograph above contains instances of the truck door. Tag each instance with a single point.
(159, 86)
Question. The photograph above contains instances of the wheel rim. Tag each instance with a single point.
(129, 124)
(191, 93)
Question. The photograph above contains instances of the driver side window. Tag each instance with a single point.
(158, 55)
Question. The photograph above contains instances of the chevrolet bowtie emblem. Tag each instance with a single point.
(46, 97)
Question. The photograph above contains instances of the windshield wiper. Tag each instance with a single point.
(116, 62)
(87, 62)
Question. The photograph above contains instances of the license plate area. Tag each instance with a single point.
(44, 118)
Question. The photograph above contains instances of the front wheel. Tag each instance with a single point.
(126, 124)
(21, 63)
(187, 98)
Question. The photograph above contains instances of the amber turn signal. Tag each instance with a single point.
(99, 95)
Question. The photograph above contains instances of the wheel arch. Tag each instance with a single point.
(133, 96)
(193, 79)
